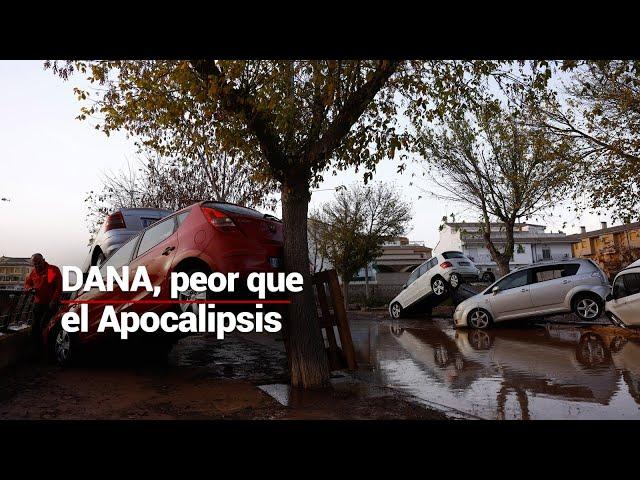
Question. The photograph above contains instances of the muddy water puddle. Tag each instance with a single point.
(538, 372)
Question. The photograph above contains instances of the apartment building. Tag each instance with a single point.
(613, 248)
(532, 243)
(13, 272)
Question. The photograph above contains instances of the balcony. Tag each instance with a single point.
(486, 259)
(549, 258)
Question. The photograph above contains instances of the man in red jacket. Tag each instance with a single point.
(46, 281)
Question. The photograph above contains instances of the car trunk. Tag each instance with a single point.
(461, 262)
(261, 228)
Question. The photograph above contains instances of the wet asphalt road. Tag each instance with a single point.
(543, 371)
(546, 371)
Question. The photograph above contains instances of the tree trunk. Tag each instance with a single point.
(503, 264)
(307, 356)
(366, 283)
(345, 292)
(502, 259)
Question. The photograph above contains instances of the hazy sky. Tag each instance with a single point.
(49, 161)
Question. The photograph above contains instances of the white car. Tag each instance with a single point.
(575, 285)
(437, 275)
(623, 303)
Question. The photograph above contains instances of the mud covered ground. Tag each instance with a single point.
(204, 379)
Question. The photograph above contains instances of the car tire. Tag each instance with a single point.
(488, 277)
(62, 347)
(479, 319)
(438, 286)
(191, 295)
(455, 280)
(587, 306)
(396, 310)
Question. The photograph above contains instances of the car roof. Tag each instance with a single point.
(555, 262)
(631, 266)
(144, 209)
(634, 264)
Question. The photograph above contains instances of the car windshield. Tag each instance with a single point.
(449, 255)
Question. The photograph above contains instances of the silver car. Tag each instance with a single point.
(574, 285)
(119, 227)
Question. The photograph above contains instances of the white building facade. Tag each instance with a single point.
(531, 243)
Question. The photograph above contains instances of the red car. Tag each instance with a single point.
(205, 237)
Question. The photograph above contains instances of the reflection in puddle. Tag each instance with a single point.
(551, 372)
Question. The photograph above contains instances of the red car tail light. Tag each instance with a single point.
(218, 219)
(115, 220)
(446, 265)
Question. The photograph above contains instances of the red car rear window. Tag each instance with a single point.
(234, 209)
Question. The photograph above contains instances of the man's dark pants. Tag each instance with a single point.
(41, 316)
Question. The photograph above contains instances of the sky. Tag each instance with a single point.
(49, 161)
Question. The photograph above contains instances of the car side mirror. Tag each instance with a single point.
(609, 297)
(404, 286)
(495, 290)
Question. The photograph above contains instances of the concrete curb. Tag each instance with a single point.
(15, 347)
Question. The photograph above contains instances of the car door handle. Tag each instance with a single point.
(524, 290)
(564, 282)
(168, 250)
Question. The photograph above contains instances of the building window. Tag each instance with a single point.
(546, 254)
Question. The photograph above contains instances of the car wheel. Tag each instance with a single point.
(455, 280)
(62, 346)
(396, 310)
(479, 319)
(587, 307)
(190, 295)
(438, 286)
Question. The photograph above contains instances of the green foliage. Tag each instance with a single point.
(602, 114)
(281, 115)
(495, 160)
(173, 184)
(350, 230)
(291, 122)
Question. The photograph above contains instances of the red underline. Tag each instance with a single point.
(174, 302)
